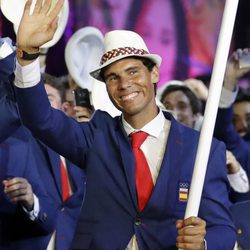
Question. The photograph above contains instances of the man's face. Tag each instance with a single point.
(70, 103)
(130, 86)
(54, 97)
(241, 117)
(179, 103)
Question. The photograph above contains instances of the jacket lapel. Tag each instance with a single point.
(55, 167)
(128, 162)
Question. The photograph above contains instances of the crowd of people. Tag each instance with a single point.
(77, 177)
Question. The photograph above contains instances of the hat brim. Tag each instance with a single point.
(13, 11)
(82, 53)
(96, 73)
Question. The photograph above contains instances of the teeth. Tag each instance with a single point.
(130, 96)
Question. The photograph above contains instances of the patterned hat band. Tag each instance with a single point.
(122, 51)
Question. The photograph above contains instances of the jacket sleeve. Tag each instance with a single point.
(214, 208)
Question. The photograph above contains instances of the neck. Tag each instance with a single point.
(138, 121)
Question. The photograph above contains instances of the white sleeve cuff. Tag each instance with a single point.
(5, 48)
(27, 76)
(33, 214)
(239, 181)
(227, 97)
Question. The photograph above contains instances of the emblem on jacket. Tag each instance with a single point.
(183, 191)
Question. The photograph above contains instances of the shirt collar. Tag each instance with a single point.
(152, 128)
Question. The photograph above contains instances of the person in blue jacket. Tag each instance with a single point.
(47, 167)
(112, 216)
(21, 189)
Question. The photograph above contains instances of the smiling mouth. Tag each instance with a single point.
(129, 97)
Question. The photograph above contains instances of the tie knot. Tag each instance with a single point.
(138, 138)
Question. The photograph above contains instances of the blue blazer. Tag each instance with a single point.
(48, 165)
(17, 231)
(241, 217)
(110, 216)
(8, 123)
(225, 131)
(68, 211)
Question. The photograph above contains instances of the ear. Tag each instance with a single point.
(65, 106)
(155, 75)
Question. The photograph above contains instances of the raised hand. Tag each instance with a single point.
(39, 27)
(233, 71)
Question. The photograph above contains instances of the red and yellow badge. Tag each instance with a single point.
(183, 191)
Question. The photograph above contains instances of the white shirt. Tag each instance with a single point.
(153, 148)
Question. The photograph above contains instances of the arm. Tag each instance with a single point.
(9, 121)
(23, 182)
(214, 207)
(236, 175)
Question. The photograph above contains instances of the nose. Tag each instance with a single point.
(243, 126)
(125, 82)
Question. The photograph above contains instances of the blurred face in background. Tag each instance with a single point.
(54, 97)
(179, 103)
(241, 117)
(70, 103)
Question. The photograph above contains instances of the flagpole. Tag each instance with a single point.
(210, 114)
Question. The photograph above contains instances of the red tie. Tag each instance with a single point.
(144, 182)
(65, 182)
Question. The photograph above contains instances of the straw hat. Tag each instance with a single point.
(13, 11)
(82, 54)
(120, 44)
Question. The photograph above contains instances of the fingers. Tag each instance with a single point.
(56, 10)
(191, 233)
(46, 7)
(27, 8)
(82, 113)
(17, 189)
(38, 6)
(190, 242)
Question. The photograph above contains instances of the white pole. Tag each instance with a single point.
(216, 83)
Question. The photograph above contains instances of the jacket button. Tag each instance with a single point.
(138, 222)
(239, 231)
(45, 216)
(62, 209)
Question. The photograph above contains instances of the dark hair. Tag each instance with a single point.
(57, 83)
(195, 102)
(243, 95)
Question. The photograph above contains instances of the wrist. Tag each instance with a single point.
(230, 83)
(27, 55)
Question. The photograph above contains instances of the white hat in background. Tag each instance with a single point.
(13, 11)
(120, 44)
(161, 89)
(82, 53)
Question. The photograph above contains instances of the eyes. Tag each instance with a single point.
(180, 106)
(129, 74)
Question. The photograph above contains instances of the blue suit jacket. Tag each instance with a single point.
(225, 131)
(47, 162)
(17, 231)
(8, 123)
(68, 211)
(110, 216)
(241, 218)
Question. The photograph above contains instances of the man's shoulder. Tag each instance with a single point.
(104, 117)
